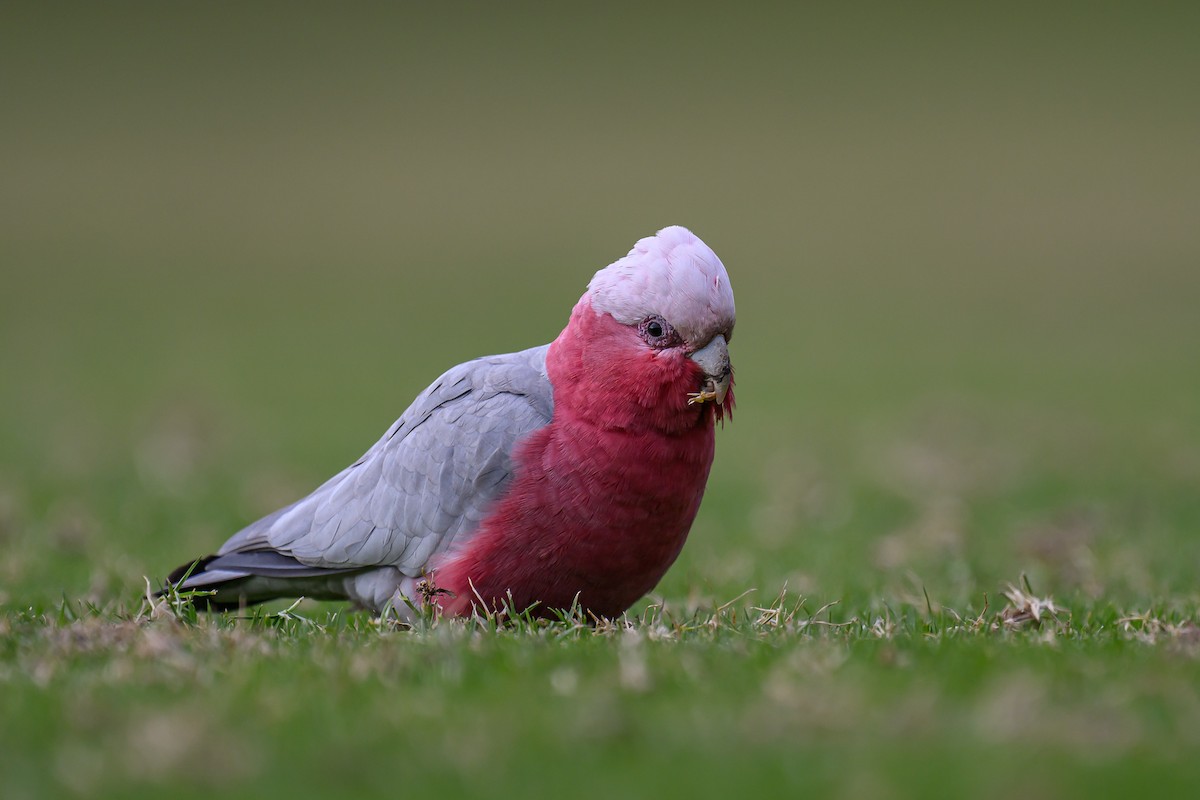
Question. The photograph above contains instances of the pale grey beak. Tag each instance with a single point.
(713, 358)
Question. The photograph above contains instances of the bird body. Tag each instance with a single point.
(568, 473)
(605, 494)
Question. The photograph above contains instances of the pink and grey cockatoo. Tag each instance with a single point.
(568, 473)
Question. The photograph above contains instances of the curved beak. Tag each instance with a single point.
(713, 358)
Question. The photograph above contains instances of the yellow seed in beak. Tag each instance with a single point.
(709, 392)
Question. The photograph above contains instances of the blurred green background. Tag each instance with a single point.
(236, 241)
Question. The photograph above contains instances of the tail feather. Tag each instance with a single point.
(235, 580)
(186, 571)
(219, 586)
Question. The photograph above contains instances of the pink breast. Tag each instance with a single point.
(591, 513)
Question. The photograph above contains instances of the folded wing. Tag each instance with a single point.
(421, 490)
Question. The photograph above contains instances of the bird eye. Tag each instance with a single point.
(658, 332)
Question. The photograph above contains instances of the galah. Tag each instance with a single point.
(563, 475)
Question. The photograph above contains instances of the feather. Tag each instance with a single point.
(422, 488)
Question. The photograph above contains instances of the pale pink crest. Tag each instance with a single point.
(673, 274)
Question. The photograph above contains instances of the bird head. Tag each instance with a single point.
(672, 298)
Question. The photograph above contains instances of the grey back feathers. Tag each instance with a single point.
(421, 490)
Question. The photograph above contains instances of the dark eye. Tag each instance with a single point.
(658, 332)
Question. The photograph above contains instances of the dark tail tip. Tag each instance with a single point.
(185, 571)
(202, 600)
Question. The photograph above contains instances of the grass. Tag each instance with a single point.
(1024, 696)
(233, 246)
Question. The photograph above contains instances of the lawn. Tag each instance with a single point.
(951, 541)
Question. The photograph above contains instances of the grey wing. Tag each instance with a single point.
(421, 489)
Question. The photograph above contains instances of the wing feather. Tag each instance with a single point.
(424, 486)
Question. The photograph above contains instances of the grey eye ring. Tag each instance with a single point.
(657, 332)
